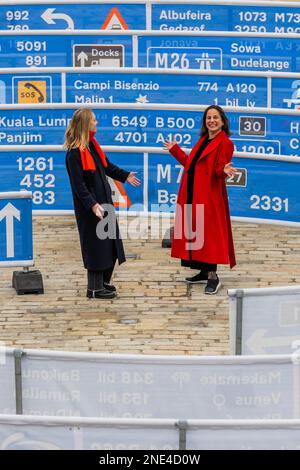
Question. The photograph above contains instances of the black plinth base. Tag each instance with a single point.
(167, 240)
(30, 282)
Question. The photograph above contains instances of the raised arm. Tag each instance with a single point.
(116, 173)
(176, 151)
(223, 165)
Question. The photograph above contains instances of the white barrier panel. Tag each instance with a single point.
(7, 381)
(244, 435)
(173, 387)
(24, 433)
(265, 320)
(41, 433)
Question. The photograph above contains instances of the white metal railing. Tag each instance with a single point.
(130, 149)
(266, 291)
(149, 70)
(47, 432)
(135, 33)
(152, 106)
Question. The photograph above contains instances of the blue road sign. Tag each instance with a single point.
(3, 92)
(39, 88)
(254, 133)
(168, 16)
(65, 50)
(73, 16)
(286, 93)
(44, 174)
(203, 52)
(221, 52)
(252, 193)
(250, 18)
(166, 88)
(135, 87)
(132, 87)
(16, 229)
(38, 172)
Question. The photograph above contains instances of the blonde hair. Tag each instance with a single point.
(77, 133)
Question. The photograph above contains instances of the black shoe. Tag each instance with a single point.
(212, 286)
(100, 294)
(109, 287)
(200, 278)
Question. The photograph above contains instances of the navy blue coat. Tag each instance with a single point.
(89, 188)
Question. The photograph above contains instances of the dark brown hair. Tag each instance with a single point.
(224, 118)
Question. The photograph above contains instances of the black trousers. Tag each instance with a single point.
(97, 278)
(201, 266)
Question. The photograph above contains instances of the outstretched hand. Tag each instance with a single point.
(229, 170)
(168, 144)
(132, 179)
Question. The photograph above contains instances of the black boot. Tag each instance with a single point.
(212, 286)
(106, 279)
(96, 288)
(100, 294)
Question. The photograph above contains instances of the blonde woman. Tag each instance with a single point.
(88, 169)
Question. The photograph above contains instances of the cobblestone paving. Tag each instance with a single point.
(155, 312)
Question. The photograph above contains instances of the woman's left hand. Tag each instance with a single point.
(132, 179)
(229, 170)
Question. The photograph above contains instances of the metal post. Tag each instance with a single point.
(18, 353)
(182, 426)
(239, 321)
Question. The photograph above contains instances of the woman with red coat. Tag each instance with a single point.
(202, 236)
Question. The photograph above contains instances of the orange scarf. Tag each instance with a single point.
(87, 160)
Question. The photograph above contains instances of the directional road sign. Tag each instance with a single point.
(216, 17)
(252, 132)
(252, 192)
(16, 229)
(44, 174)
(72, 16)
(185, 16)
(98, 55)
(144, 87)
(65, 50)
(205, 52)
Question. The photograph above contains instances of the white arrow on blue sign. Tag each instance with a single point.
(16, 229)
(9, 212)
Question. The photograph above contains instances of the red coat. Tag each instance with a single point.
(216, 245)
